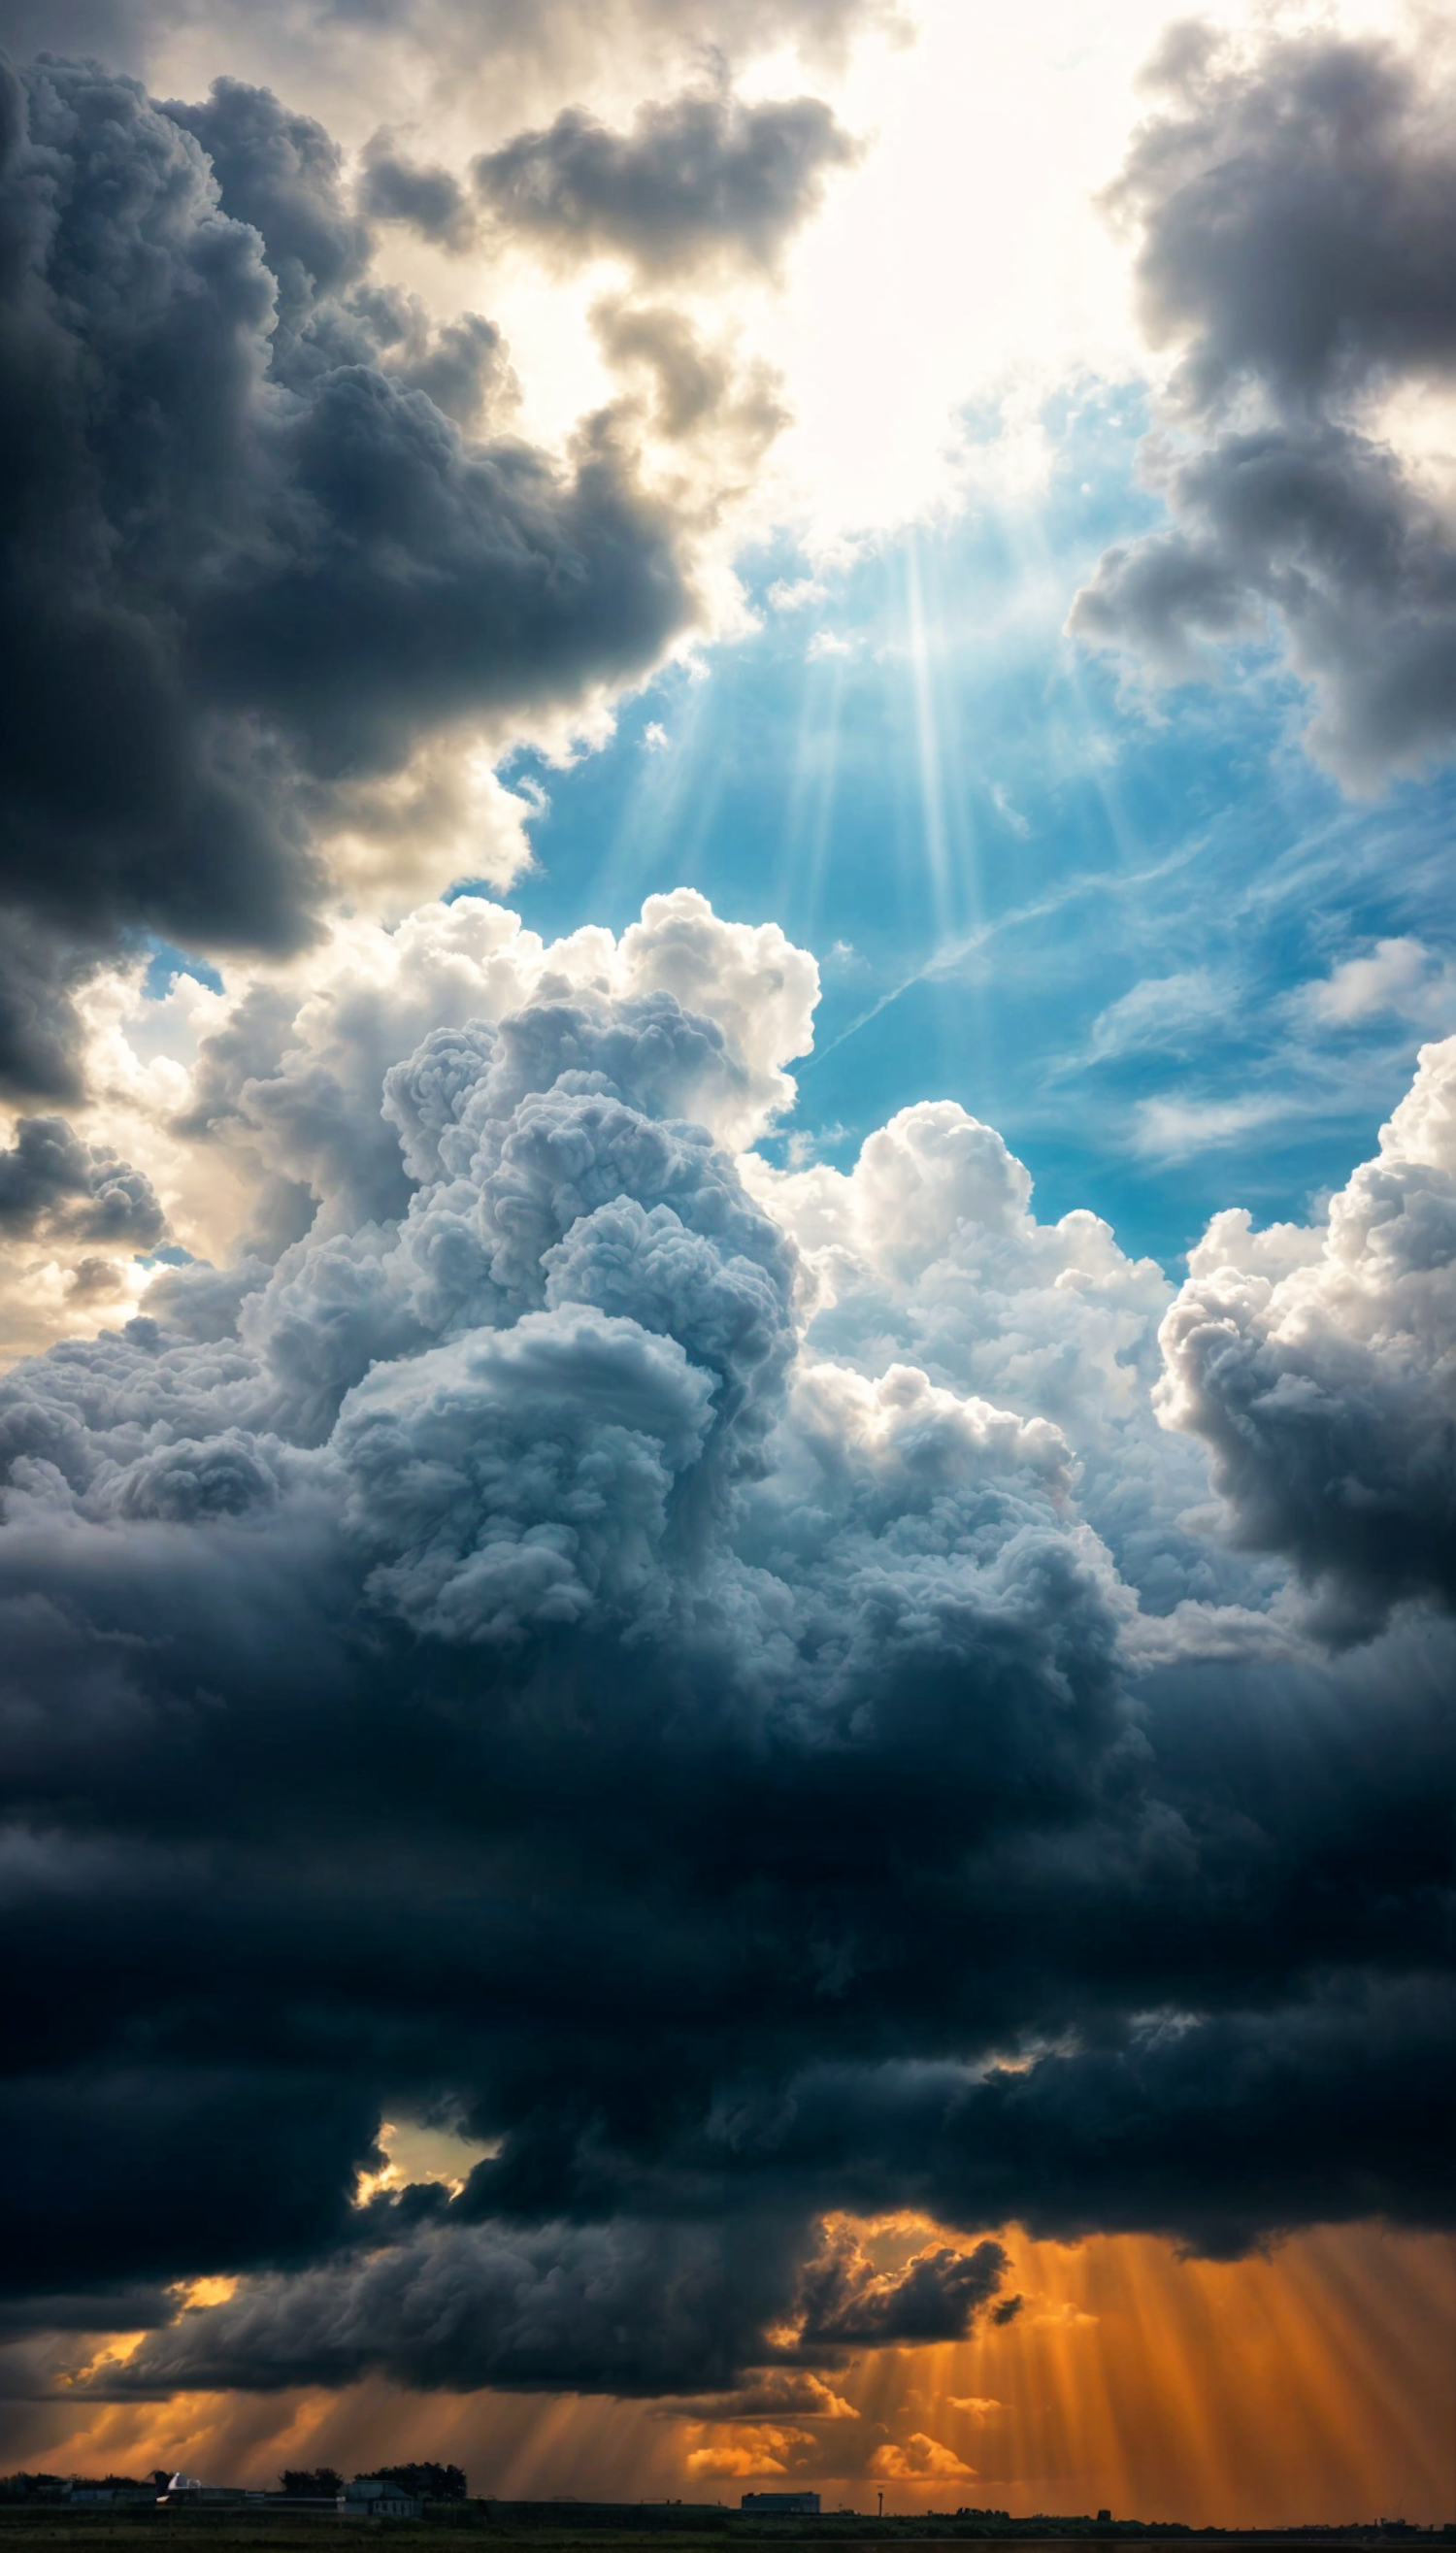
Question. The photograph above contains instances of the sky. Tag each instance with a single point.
(728, 1248)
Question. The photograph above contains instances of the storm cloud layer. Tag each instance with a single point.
(1293, 204)
(716, 1682)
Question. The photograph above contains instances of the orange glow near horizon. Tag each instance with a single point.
(1317, 2383)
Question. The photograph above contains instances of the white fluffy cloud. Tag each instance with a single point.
(274, 1109)
(929, 1250)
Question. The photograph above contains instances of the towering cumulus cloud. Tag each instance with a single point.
(713, 1681)
(1295, 204)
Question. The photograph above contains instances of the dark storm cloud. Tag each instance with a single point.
(631, 2307)
(1295, 211)
(696, 179)
(482, 1662)
(110, 2154)
(1314, 2114)
(247, 552)
(1217, 2132)
(90, 2309)
(623, 2308)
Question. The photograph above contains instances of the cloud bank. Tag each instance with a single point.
(735, 1687)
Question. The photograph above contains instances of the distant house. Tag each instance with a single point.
(375, 2498)
(781, 2504)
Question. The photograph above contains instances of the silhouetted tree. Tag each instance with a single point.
(320, 2482)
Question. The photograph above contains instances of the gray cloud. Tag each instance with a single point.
(1296, 209)
(699, 178)
(427, 200)
(281, 174)
(53, 1184)
(258, 598)
(1323, 534)
(465, 370)
(1323, 1384)
(535, 48)
(694, 388)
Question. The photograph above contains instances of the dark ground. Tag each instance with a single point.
(213, 2531)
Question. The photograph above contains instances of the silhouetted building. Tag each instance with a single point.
(374, 2497)
(781, 2504)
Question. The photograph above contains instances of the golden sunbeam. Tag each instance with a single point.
(1312, 2384)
